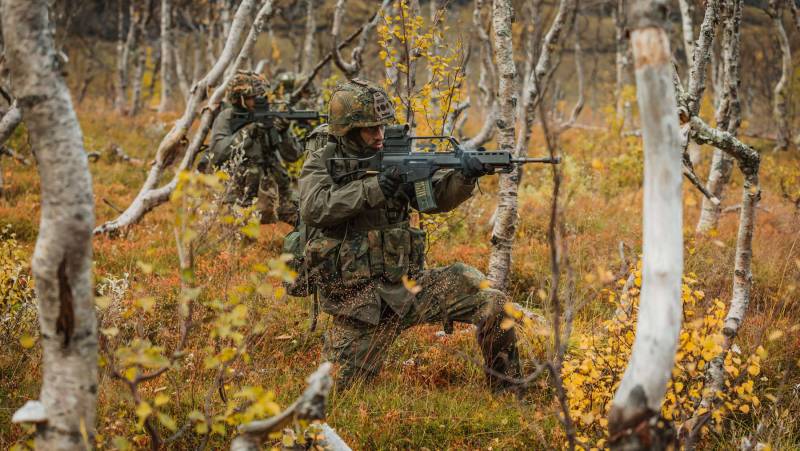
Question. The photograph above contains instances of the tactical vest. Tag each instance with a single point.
(375, 246)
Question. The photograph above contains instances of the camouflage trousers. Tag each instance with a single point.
(275, 200)
(450, 293)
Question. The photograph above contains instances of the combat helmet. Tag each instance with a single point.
(246, 84)
(358, 103)
(287, 80)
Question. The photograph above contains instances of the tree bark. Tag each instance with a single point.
(506, 216)
(700, 57)
(149, 195)
(123, 55)
(687, 27)
(140, 56)
(307, 56)
(167, 58)
(781, 93)
(9, 122)
(623, 61)
(62, 259)
(728, 116)
(505, 223)
(638, 399)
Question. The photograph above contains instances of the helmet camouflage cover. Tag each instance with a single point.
(287, 80)
(246, 84)
(358, 103)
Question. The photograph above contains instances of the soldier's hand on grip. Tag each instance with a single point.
(472, 167)
(281, 124)
(390, 181)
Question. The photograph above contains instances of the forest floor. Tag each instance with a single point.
(431, 393)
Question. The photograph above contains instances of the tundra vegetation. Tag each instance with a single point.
(654, 273)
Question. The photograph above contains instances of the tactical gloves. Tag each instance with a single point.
(281, 124)
(390, 181)
(472, 168)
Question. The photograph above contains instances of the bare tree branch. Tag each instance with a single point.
(149, 195)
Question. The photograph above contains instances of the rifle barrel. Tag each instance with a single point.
(548, 160)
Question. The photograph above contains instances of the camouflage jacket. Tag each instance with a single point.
(362, 244)
(261, 152)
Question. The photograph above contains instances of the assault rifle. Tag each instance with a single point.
(418, 167)
(263, 114)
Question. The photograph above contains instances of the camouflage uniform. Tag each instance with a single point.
(361, 245)
(252, 155)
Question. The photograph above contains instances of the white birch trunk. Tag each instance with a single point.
(700, 57)
(687, 27)
(62, 259)
(184, 84)
(123, 56)
(728, 117)
(506, 218)
(167, 58)
(622, 56)
(307, 57)
(9, 122)
(781, 94)
(641, 391)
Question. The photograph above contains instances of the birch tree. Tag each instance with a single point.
(638, 399)
(167, 57)
(687, 28)
(622, 58)
(307, 55)
(505, 223)
(728, 116)
(780, 109)
(62, 259)
(125, 41)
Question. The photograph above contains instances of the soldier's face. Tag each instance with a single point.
(250, 103)
(372, 136)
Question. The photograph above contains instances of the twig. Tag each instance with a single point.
(113, 207)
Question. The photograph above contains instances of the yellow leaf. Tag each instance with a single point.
(744, 408)
(775, 335)
(110, 331)
(145, 267)
(507, 323)
(143, 411)
(27, 341)
(102, 302)
(161, 399)
(411, 285)
(484, 284)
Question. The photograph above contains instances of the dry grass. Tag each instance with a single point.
(429, 395)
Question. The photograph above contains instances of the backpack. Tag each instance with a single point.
(294, 244)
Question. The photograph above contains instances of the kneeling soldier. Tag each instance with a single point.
(361, 246)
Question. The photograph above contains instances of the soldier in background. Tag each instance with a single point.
(361, 246)
(251, 154)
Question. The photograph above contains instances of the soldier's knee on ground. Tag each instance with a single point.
(354, 353)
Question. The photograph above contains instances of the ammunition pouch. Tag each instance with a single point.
(386, 254)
